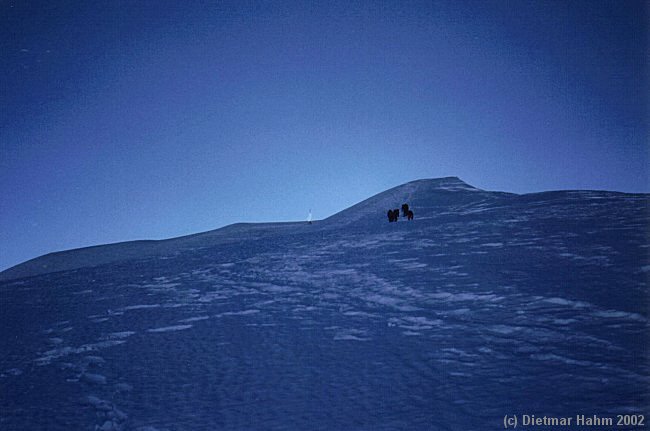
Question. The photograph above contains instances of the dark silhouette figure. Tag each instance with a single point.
(393, 215)
(405, 210)
(410, 215)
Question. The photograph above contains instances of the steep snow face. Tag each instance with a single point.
(484, 305)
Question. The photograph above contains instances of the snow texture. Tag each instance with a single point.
(486, 304)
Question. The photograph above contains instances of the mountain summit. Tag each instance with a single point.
(427, 197)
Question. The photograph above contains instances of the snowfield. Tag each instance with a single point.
(486, 304)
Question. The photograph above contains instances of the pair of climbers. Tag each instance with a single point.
(393, 215)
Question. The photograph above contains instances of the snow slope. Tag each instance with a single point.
(486, 304)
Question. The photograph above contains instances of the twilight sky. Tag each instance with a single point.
(150, 119)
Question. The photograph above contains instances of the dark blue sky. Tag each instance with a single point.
(124, 120)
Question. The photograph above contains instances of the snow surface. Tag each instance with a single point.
(486, 304)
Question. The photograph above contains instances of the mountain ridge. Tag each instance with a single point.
(429, 197)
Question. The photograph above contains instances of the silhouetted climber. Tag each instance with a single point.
(405, 210)
(410, 215)
(393, 215)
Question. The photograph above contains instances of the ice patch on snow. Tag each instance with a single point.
(457, 352)
(616, 314)
(170, 328)
(408, 264)
(139, 307)
(274, 288)
(381, 299)
(50, 355)
(113, 418)
(82, 292)
(98, 403)
(11, 372)
(504, 329)
(550, 357)
(238, 313)
(563, 321)
(465, 296)
(95, 379)
(349, 337)
(359, 313)
(118, 335)
(414, 323)
(211, 296)
(566, 302)
(194, 319)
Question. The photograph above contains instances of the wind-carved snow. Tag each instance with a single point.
(118, 335)
(349, 334)
(50, 355)
(139, 306)
(486, 303)
(170, 328)
(194, 319)
(92, 378)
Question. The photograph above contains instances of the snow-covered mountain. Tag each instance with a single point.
(487, 304)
